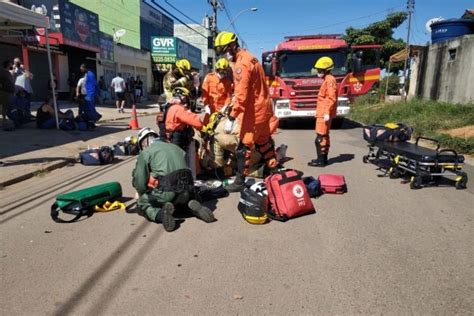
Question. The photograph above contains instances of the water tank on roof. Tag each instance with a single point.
(448, 29)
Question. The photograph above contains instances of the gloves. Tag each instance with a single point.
(326, 117)
(229, 125)
(207, 109)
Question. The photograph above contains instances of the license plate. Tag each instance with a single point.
(310, 113)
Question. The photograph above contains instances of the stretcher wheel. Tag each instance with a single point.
(365, 159)
(461, 183)
(393, 173)
(415, 183)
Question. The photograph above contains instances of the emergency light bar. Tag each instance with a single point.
(316, 36)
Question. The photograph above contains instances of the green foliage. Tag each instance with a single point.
(380, 32)
(392, 85)
(428, 118)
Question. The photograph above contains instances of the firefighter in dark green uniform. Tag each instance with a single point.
(163, 182)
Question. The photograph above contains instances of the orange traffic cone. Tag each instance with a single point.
(133, 121)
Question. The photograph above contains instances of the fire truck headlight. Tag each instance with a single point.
(341, 101)
(283, 104)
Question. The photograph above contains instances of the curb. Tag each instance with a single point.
(124, 118)
(50, 167)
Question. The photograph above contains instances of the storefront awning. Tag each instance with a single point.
(402, 55)
(13, 16)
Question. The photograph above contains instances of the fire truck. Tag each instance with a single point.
(294, 85)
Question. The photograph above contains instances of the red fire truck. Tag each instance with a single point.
(293, 84)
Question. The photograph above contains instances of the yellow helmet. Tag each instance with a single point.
(180, 92)
(324, 63)
(223, 39)
(183, 66)
(222, 64)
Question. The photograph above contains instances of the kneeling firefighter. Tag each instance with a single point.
(325, 110)
(178, 76)
(164, 183)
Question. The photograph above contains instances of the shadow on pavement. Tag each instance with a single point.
(341, 158)
(308, 124)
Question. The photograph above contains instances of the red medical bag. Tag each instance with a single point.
(332, 183)
(287, 195)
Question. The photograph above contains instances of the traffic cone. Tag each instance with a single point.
(133, 121)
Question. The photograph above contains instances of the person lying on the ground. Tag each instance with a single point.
(164, 183)
(46, 117)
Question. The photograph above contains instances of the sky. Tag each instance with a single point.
(274, 19)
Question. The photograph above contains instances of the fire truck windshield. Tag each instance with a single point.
(300, 64)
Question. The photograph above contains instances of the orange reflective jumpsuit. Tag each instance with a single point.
(216, 92)
(252, 107)
(327, 104)
(179, 123)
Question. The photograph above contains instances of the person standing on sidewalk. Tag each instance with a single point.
(7, 89)
(252, 107)
(23, 83)
(91, 92)
(130, 91)
(138, 89)
(118, 84)
(325, 110)
(164, 183)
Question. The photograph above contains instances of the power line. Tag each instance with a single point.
(229, 17)
(177, 19)
(182, 13)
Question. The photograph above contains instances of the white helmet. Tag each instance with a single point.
(145, 133)
(260, 188)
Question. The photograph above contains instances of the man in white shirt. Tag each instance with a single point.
(119, 88)
(81, 87)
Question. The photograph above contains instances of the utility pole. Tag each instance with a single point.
(410, 8)
(213, 25)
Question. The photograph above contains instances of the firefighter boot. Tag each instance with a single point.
(322, 160)
(201, 212)
(239, 184)
(165, 216)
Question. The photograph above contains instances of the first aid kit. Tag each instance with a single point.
(287, 195)
(332, 183)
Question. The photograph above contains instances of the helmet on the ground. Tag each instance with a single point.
(324, 63)
(253, 206)
(222, 64)
(223, 39)
(143, 134)
(183, 66)
(259, 188)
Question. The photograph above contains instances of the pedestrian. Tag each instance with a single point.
(179, 75)
(217, 88)
(46, 116)
(325, 110)
(118, 84)
(130, 91)
(88, 109)
(7, 89)
(50, 87)
(102, 89)
(23, 83)
(251, 106)
(164, 183)
(138, 89)
(72, 83)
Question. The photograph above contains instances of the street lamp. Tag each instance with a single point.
(239, 14)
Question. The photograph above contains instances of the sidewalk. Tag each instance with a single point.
(28, 151)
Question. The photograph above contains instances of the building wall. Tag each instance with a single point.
(117, 14)
(446, 70)
(196, 40)
(133, 62)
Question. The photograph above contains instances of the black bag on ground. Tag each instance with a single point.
(390, 132)
(98, 156)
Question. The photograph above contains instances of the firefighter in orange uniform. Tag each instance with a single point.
(251, 106)
(325, 110)
(179, 121)
(217, 88)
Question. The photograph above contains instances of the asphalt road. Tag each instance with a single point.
(380, 248)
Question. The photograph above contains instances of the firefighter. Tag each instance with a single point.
(217, 87)
(325, 110)
(251, 107)
(164, 183)
(180, 121)
(178, 76)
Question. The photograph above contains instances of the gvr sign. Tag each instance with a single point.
(167, 42)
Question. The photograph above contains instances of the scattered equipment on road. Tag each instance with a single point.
(288, 195)
(332, 183)
(253, 204)
(422, 164)
(82, 202)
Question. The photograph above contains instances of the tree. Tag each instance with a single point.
(380, 32)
